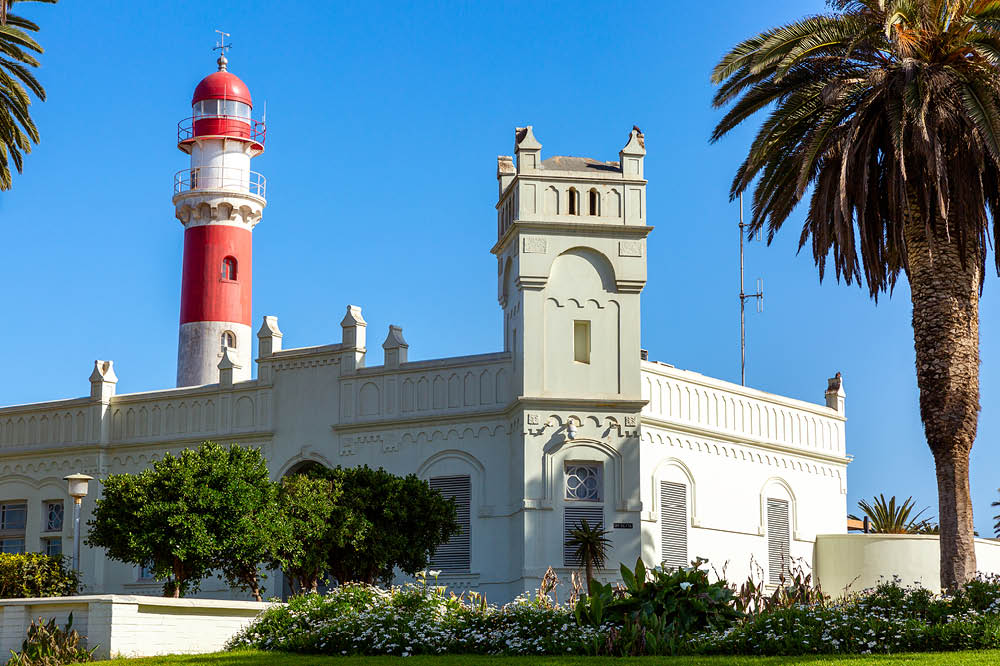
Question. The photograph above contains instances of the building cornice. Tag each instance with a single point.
(431, 364)
(67, 403)
(388, 424)
(594, 404)
(541, 227)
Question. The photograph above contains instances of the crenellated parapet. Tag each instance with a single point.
(204, 208)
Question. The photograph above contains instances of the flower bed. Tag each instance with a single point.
(414, 619)
(424, 619)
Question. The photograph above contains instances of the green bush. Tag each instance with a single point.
(48, 645)
(656, 608)
(30, 575)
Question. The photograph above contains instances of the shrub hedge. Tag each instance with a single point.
(29, 575)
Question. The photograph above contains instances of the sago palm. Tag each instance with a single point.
(17, 130)
(590, 546)
(887, 517)
(889, 110)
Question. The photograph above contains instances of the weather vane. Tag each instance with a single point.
(220, 46)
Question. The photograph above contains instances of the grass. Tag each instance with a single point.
(255, 658)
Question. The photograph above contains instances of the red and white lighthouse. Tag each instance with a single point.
(219, 200)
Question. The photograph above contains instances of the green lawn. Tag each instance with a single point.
(281, 659)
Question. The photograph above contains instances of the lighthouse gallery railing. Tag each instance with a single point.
(234, 179)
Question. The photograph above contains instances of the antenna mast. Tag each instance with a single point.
(758, 295)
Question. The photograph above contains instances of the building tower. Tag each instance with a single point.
(219, 200)
(571, 240)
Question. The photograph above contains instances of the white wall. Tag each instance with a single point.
(854, 562)
(132, 626)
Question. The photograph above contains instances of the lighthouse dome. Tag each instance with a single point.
(222, 85)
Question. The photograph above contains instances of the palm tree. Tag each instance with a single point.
(17, 130)
(890, 111)
(885, 517)
(996, 525)
(590, 547)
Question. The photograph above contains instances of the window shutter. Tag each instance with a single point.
(455, 554)
(594, 515)
(673, 524)
(778, 551)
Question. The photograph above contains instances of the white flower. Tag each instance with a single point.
(685, 585)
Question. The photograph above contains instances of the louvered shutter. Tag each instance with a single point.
(594, 515)
(454, 555)
(673, 524)
(778, 551)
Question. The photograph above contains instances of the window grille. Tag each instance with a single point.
(53, 516)
(574, 514)
(455, 554)
(673, 524)
(583, 482)
(778, 551)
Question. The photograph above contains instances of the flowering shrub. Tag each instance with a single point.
(415, 619)
(424, 619)
(888, 619)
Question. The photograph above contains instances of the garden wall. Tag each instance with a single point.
(855, 562)
(131, 625)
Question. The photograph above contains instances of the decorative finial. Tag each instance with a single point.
(221, 46)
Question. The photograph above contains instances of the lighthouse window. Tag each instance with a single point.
(211, 108)
(228, 268)
(228, 340)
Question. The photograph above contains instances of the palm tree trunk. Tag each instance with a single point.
(945, 296)
(589, 569)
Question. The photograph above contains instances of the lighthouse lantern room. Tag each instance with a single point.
(219, 200)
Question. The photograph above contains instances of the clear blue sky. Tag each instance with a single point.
(384, 123)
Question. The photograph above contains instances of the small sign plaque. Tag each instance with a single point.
(623, 526)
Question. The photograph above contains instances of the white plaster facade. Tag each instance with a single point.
(685, 465)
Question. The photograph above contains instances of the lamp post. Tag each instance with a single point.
(77, 490)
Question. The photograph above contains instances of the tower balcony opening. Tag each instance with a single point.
(233, 179)
(236, 125)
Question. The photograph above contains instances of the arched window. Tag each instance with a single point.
(574, 201)
(229, 268)
(228, 340)
(595, 202)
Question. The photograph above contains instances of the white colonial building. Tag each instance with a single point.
(568, 421)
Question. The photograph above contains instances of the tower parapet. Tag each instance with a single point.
(219, 200)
